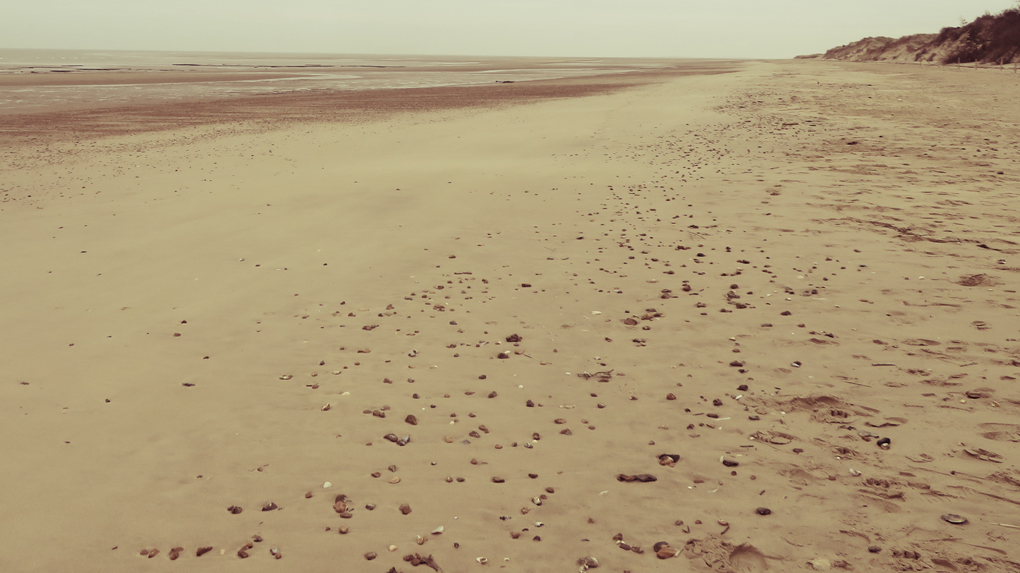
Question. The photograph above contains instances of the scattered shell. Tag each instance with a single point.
(394, 479)
(482, 560)
(270, 506)
(286, 377)
(326, 408)
(954, 519)
(327, 485)
(439, 530)
(666, 552)
(820, 564)
(586, 563)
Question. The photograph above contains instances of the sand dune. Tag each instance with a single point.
(768, 275)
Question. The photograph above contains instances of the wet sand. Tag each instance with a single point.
(502, 315)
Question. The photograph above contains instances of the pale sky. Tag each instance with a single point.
(604, 28)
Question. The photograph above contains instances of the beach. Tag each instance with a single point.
(764, 312)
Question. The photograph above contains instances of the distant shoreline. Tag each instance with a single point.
(113, 103)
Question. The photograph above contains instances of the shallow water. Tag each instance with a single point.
(74, 79)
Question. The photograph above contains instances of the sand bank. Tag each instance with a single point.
(761, 273)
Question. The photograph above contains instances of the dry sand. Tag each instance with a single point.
(771, 268)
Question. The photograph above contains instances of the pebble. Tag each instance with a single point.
(763, 511)
(371, 555)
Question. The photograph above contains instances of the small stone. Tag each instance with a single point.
(270, 506)
(394, 480)
(405, 509)
(589, 562)
(763, 511)
(874, 549)
(203, 550)
(371, 555)
(498, 480)
(730, 462)
(820, 564)
(954, 519)
(235, 509)
(410, 419)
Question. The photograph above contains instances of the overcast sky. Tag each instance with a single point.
(623, 28)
